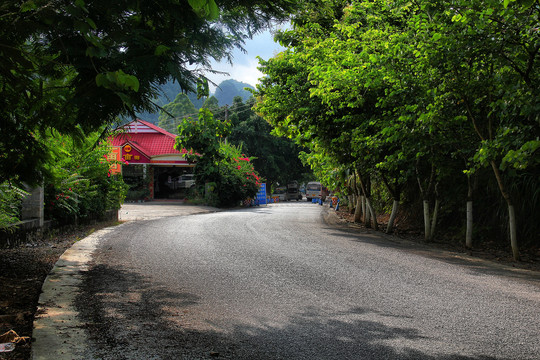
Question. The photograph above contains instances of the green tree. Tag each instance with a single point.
(498, 91)
(275, 158)
(82, 67)
(10, 203)
(411, 92)
(218, 165)
(79, 185)
(211, 104)
(172, 113)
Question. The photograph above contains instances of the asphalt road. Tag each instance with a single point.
(278, 282)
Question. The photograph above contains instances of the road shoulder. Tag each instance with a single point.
(443, 252)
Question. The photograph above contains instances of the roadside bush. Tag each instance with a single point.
(10, 204)
(228, 181)
(230, 172)
(79, 186)
(238, 179)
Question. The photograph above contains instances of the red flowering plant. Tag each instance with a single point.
(217, 162)
(245, 171)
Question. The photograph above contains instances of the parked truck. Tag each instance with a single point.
(293, 191)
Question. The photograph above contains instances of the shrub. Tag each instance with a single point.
(227, 175)
(79, 184)
(10, 203)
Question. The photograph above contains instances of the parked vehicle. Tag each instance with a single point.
(186, 181)
(315, 190)
(293, 192)
(280, 193)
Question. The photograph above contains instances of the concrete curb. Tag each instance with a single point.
(58, 333)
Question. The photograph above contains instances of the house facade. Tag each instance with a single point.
(154, 169)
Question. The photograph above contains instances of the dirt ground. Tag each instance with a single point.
(530, 258)
(23, 270)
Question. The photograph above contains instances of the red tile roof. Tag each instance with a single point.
(147, 137)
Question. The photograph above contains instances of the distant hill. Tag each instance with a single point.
(225, 93)
(229, 89)
(169, 91)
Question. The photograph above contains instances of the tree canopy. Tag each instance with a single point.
(275, 158)
(73, 66)
(180, 107)
(223, 173)
(421, 94)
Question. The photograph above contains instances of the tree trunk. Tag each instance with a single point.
(511, 212)
(395, 191)
(468, 233)
(362, 209)
(365, 211)
(372, 214)
(392, 216)
(469, 229)
(513, 232)
(426, 191)
(427, 229)
(358, 210)
(434, 219)
(352, 197)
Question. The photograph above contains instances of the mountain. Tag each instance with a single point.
(229, 89)
(225, 93)
(169, 92)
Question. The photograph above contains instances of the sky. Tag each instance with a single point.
(245, 65)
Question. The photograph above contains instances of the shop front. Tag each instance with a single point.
(154, 169)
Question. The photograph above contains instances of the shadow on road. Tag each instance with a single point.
(130, 317)
(476, 266)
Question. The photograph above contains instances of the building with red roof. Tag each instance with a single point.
(155, 169)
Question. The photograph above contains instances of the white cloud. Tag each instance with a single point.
(247, 73)
(245, 65)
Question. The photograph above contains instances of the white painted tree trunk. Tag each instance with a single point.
(392, 216)
(372, 215)
(367, 211)
(364, 212)
(434, 220)
(511, 212)
(427, 228)
(358, 210)
(468, 233)
(513, 232)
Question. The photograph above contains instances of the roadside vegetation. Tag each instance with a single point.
(425, 111)
(431, 107)
(64, 87)
(242, 134)
(223, 174)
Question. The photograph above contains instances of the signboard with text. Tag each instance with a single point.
(261, 195)
(133, 156)
(114, 160)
